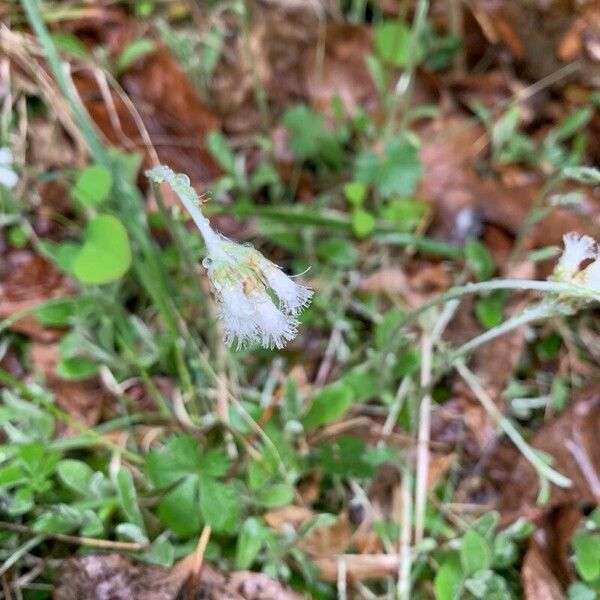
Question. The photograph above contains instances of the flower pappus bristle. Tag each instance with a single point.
(577, 249)
(256, 300)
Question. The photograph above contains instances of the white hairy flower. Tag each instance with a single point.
(577, 249)
(244, 282)
(591, 275)
(8, 178)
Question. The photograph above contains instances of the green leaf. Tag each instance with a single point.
(178, 510)
(345, 457)
(105, 255)
(338, 252)
(59, 313)
(75, 474)
(387, 328)
(218, 146)
(475, 553)
(12, 475)
(405, 213)
(274, 495)
(128, 499)
(21, 502)
(589, 175)
(571, 125)
(309, 137)
(59, 519)
(76, 368)
(479, 260)
(328, 405)
(393, 42)
(408, 363)
(62, 254)
(92, 186)
(355, 192)
(580, 591)
(182, 456)
(219, 504)
(70, 44)
(133, 52)
(394, 173)
(490, 309)
(363, 222)
(587, 555)
(249, 543)
(448, 581)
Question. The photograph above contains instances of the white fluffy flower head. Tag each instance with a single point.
(569, 269)
(257, 301)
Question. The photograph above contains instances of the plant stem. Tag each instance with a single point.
(544, 470)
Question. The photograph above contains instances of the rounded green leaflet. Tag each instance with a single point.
(93, 185)
(393, 41)
(105, 255)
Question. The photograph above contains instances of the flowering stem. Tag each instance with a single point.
(540, 311)
(544, 470)
(180, 184)
(553, 287)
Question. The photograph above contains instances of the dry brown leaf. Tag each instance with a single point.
(83, 400)
(326, 540)
(572, 441)
(547, 568)
(335, 67)
(115, 577)
(28, 282)
(536, 576)
(463, 199)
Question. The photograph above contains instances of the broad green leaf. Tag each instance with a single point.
(59, 519)
(479, 260)
(219, 504)
(128, 499)
(328, 405)
(70, 44)
(92, 186)
(12, 475)
(363, 222)
(75, 474)
(448, 580)
(490, 309)
(355, 192)
(395, 173)
(587, 555)
(21, 502)
(338, 252)
(218, 146)
(249, 543)
(133, 52)
(276, 494)
(580, 591)
(475, 553)
(179, 509)
(394, 44)
(182, 456)
(77, 367)
(105, 255)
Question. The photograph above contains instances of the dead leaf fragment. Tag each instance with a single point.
(115, 577)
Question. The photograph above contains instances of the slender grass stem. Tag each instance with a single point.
(543, 469)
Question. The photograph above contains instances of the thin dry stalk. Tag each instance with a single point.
(423, 453)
